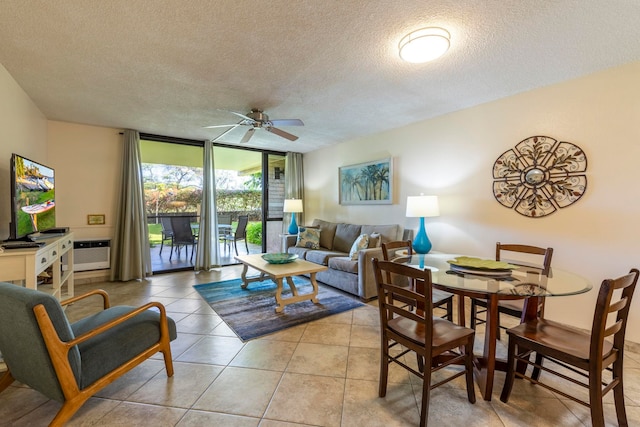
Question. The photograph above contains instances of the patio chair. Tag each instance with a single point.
(167, 232)
(183, 235)
(240, 233)
(224, 228)
(70, 362)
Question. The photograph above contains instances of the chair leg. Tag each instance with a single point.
(384, 367)
(474, 313)
(68, 410)
(535, 375)
(471, 391)
(161, 245)
(595, 399)
(235, 246)
(426, 388)
(450, 310)
(246, 245)
(618, 394)
(511, 373)
(6, 380)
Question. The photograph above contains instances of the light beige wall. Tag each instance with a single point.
(452, 156)
(87, 161)
(23, 130)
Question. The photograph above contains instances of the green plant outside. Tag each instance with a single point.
(254, 233)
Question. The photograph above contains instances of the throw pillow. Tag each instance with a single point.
(308, 238)
(374, 240)
(362, 242)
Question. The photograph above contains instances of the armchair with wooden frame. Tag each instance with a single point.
(70, 362)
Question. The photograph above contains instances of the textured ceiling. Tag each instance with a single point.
(169, 67)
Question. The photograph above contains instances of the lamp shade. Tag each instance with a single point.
(422, 206)
(292, 205)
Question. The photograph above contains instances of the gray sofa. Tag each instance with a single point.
(352, 276)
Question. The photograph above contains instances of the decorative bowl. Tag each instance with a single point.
(279, 258)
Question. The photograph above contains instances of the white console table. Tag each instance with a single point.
(26, 264)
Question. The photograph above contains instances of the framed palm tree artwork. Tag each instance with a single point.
(367, 183)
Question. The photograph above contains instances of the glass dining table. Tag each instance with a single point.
(523, 282)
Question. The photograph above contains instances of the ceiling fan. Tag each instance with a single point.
(257, 119)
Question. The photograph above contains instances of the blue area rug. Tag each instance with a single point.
(251, 312)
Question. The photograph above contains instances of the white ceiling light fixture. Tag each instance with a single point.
(425, 44)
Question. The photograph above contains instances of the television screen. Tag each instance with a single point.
(33, 196)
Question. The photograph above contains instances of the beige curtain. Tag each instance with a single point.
(131, 254)
(208, 255)
(293, 185)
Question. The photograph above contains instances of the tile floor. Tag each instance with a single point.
(323, 373)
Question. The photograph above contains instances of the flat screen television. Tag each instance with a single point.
(33, 206)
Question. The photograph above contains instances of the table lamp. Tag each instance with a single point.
(293, 206)
(420, 207)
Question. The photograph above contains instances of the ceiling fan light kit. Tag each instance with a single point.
(425, 44)
(257, 119)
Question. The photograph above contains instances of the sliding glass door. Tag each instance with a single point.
(248, 183)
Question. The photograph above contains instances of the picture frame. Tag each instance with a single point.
(369, 183)
(96, 219)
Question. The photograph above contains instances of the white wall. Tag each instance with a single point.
(87, 160)
(453, 155)
(23, 130)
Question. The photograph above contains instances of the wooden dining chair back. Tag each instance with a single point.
(401, 251)
(437, 341)
(240, 233)
(583, 353)
(527, 256)
(183, 235)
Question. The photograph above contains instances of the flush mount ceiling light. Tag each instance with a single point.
(425, 44)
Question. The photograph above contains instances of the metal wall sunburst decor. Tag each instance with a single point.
(539, 176)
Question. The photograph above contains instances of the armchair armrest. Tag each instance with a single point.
(366, 277)
(288, 240)
(105, 298)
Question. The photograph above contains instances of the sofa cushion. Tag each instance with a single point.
(375, 240)
(388, 233)
(322, 256)
(362, 242)
(346, 234)
(327, 232)
(301, 252)
(308, 238)
(345, 264)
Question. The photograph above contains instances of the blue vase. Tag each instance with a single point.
(293, 227)
(421, 244)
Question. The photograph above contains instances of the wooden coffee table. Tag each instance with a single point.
(277, 272)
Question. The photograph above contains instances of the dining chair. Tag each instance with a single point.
(183, 235)
(439, 342)
(440, 299)
(167, 232)
(587, 354)
(71, 362)
(240, 233)
(539, 259)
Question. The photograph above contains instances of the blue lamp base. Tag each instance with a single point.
(421, 244)
(293, 227)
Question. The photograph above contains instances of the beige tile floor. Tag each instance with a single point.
(323, 373)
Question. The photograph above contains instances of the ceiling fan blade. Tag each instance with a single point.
(281, 133)
(243, 116)
(287, 122)
(225, 132)
(219, 126)
(247, 136)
